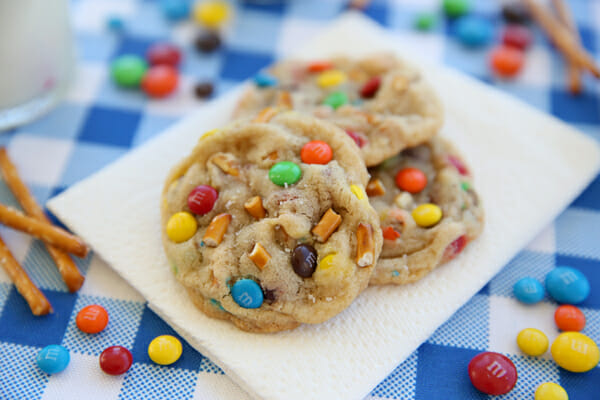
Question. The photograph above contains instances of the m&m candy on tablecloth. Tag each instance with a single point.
(575, 352)
(473, 31)
(53, 359)
(181, 226)
(316, 152)
(208, 42)
(128, 70)
(211, 13)
(411, 180)
(285, 173)
(427, 215)
(528, 290)
(165, 349)
(247, 293)
(550, 391)
(492, 373)
(569, 318)
(92, 319)
(203, 90)
(424, 21)
(516, 36)
(202, 199)
(456, 8)
(567, 285)
(163, 54)
(506, 61)
(175, 9)
(115, 360)
(160, 80)
(532, 342)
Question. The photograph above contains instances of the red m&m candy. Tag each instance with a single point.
(163, 54)
(316, 152)
(370, 87)
(492, 373)
(458, 164)
(92, 319)
(160, 80)
(516, 36)
(569, 318)
(411, 180)
(116, 360)
(359, 140)
(455, 248)
(202, 199)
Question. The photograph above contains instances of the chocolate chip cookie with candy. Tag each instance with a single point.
(428, 210)
(267, 224)
(382, 102)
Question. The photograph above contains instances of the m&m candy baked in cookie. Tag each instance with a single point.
(428, 208)
(382, 102)
(266, 223)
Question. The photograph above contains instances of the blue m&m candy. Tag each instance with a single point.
(175, 9)
(247, 293)
(53, 359)
(528, 290)
(264, 80)
(474, 31)
(567, 285)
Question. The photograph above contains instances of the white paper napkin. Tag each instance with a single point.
(528, 166)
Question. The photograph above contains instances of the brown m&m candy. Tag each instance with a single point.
(304, 260)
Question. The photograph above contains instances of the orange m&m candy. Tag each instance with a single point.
(92, 319)
(569, 318)
(160, 80)
(316, 152)
(411, 180)
(507, 61)
(319, 66)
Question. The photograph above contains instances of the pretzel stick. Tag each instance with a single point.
(47, 233)
(35, 298)
(67, 268)
(562, 38)
(565, 16)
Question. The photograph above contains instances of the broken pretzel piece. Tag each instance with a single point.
(365, 247)
(327, 225)
(225, 163)
(216, 230)
(255, 207)
(259, 256)
(375, 188)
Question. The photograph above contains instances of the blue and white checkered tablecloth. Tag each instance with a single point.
(97, 123)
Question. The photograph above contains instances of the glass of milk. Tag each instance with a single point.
(37, 58)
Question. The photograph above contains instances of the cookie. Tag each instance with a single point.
(267, 224)
(382, 102)
(428, 210)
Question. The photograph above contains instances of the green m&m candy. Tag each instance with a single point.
(128, 70)
(285, 173)
(425, 21)
(336, 99)
(456, 8)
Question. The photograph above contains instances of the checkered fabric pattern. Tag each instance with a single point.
(98, 123)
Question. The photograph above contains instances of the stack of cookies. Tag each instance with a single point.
(331, 177)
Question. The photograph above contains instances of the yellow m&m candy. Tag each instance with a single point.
(427, 215)
(181, 226)
(532, 342)
(550, 391)
(575, 352)
(165, 349)
(330, 78)
(211, 13)
(358, 192)
(332, 268)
